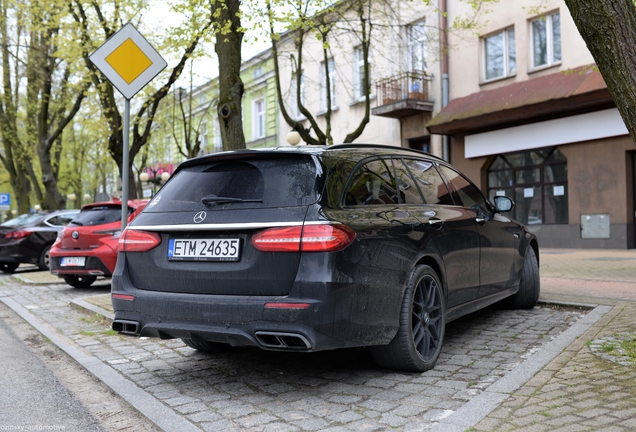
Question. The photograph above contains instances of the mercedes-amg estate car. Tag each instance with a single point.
(317, 248)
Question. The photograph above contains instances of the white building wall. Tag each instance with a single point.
(466, 56)
(388, 57)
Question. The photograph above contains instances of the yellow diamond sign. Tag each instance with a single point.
(128, 61)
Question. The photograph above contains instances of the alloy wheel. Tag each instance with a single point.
(426, 318)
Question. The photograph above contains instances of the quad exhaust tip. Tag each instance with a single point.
(282, 340)
(126, 327)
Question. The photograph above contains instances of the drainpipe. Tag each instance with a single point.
(445, 91)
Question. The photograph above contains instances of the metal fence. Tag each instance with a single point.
(406, 85)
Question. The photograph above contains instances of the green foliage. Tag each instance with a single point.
(630, 348)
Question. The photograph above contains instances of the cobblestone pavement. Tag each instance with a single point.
(589, 386)
(342, 390)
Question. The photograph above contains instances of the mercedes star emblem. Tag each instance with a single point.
(199, 217)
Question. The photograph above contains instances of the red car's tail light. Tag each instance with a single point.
(310, 238)
(18, 234)
(138, 241)
(114, 233)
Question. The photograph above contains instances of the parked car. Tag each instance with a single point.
(316, 248)
(29, 238)
(87, 247)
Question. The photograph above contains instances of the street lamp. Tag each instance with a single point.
(293, 137)
(87, 197)
(156, 180)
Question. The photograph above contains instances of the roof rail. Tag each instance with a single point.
(380, 146)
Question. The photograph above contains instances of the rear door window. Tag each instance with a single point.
(372, 184)
(255, 183)
(429, 181)
(409, 193)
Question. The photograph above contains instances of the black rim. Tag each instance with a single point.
(426, 318)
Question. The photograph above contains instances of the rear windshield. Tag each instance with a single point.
(258, 183)
(98, 216)
(23, 219)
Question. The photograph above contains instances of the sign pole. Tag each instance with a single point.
(124, 168)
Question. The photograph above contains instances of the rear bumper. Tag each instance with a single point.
(339, 315)
(16, 253)
(96, 265)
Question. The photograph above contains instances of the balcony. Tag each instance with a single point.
(403, 95)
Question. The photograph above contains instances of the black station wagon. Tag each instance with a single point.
(317, 248)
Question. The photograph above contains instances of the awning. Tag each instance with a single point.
(548, 97)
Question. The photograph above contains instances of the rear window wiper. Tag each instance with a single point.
(224, 200)
(76, 223)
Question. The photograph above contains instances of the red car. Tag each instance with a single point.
(87, 247)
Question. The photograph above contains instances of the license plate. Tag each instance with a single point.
(72, 262)
(204, 249)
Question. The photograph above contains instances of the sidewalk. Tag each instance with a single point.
(586, 386)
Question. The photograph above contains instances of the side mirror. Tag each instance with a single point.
(503, 204)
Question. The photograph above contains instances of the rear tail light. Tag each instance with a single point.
(18, 234)
(114, 233)
(58, 239)
(308, 238)
(138, 241)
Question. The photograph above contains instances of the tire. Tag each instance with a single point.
(418, 342)
(530, 284)
(79, 281)
(8, 267)
(45, 258)
(211, 347)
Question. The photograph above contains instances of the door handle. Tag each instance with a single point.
(437, 223)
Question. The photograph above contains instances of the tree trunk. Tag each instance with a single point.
(608, 27)
(228, 51)
(14, 157)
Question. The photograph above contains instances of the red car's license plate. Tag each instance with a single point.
(72, 261)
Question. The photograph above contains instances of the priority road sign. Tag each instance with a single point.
(128, 61)
(5, 201)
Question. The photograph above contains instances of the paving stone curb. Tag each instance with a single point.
(162, 416)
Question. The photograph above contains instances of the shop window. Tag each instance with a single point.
(536, 180)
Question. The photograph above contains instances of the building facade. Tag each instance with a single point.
(402, 55)
(530, 117)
